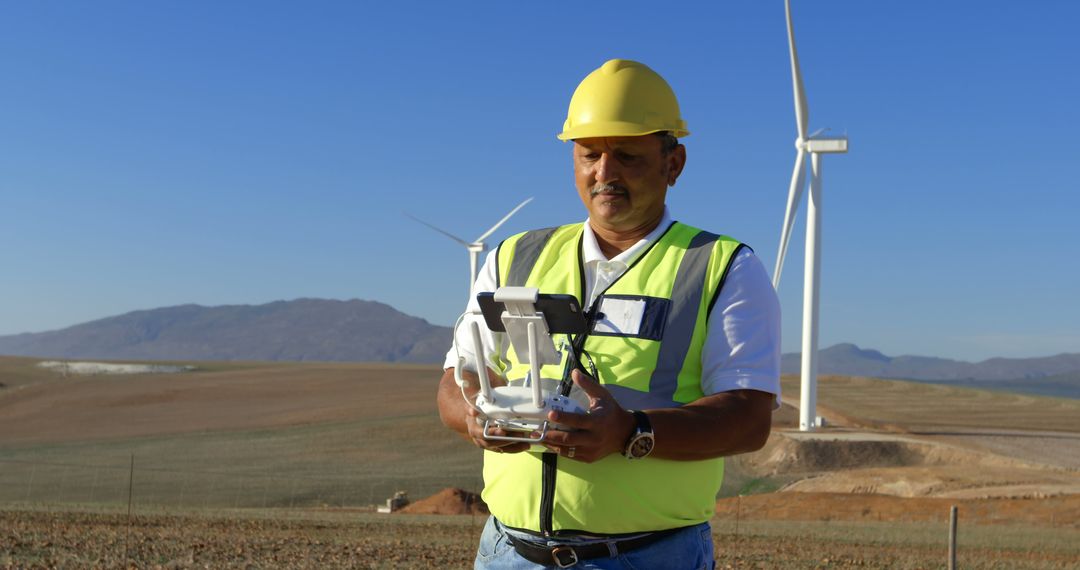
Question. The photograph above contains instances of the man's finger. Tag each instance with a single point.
(557, 438)
(572, 421)
(511, 448)
(498, 446)
(590, 386)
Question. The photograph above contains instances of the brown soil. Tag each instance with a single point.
(897, 438)
(159, 541)
(242, 396)
(448, 502)
(1058, 512)
(865, 462)
(913, 407)
(918, 440)
(37, 539)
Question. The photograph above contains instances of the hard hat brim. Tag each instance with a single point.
(614, 129)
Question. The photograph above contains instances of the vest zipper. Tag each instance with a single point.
(547, 492)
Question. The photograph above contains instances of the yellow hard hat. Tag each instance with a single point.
(622, 98)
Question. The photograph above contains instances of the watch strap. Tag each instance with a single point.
(642, 422)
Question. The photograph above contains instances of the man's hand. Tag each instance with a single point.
(603, 430)
(475, 423)
(722, 424)
(459, 415)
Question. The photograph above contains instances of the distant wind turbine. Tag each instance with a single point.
(477, 247)
(815, 146)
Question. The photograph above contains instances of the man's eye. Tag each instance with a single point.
(627, 157)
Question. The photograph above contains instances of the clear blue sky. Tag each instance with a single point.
(160, 153)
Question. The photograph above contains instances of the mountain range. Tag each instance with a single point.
(369, 331)
(298, 330)
(848, 359)
(1057, 375)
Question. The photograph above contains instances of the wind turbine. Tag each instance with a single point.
(814, 145)
(477, 246)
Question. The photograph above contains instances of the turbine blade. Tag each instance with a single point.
(802, 110)
(798, 180)
(502, 221)
(445, 233)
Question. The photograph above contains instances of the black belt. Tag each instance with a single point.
(566, 555)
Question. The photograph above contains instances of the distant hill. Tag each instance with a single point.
(1060, 385)
(850, 360)
(1049, 376)
(298, 330)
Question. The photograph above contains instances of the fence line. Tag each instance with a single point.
(104, 483)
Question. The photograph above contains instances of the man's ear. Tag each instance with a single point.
(676, 161)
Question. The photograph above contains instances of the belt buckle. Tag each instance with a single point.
(557, 552)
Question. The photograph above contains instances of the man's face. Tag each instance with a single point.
(623, 180)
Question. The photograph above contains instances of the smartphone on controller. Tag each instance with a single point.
(562, 313)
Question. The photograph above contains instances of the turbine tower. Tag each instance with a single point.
(815, 146)
(477, 246)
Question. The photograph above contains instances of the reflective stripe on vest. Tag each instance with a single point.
(686, 298)
(526, 251)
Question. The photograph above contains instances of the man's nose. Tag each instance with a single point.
(607, 169)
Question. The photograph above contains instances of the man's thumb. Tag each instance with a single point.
(588, 384)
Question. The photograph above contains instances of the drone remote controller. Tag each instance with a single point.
(512, 410)
(521, 410)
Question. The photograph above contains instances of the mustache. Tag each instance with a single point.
(601, 188)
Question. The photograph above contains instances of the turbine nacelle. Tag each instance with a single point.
(827, 145)
(818, 144)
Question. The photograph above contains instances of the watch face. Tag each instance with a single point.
(641, 446)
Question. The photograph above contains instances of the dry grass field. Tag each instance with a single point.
(265, 538)
(914, 407)
(279, 465)
(228, 435)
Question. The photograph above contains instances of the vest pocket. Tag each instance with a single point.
(631, 316)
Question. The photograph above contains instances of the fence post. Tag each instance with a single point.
(61, 487)
(952, 538)
(183, 488)
(131, 486)
(30, 484)
(93, 485)
(210, 493)
(738, 513)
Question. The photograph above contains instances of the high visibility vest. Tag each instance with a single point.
(657, 365)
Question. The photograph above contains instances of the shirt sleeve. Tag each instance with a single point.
(493, 343)
(742, 345)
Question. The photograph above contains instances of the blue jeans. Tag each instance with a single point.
(689, 549)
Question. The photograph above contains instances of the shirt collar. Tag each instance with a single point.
(591, 250)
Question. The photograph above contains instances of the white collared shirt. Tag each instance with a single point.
(600, 272)
(742, 343)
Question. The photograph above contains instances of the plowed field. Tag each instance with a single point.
(313, 539)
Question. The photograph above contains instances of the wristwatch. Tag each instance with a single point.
(641, 441)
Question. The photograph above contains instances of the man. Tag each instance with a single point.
(684, 346)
